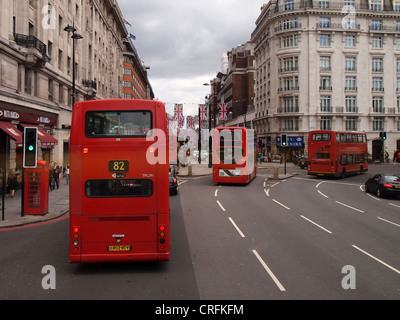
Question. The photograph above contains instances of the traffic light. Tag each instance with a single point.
(382, 135)
(30, 147)
(284, 142)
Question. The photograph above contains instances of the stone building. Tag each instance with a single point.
(328, 65)
(36, 68)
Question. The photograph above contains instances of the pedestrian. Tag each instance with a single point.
(56, 176)
(51, 179)
(12, 182)
(67, 173)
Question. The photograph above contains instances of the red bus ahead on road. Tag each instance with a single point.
(333, 153)
(234, 155)
(119, 202)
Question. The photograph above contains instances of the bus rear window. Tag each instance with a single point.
(101, 124)
(115, 188)
(321, 137)
(321, 155)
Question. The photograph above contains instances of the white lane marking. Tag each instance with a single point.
(271, 274)
(397, 225)
(266, 192)
(346, 205)
(275, 184)
(376, 259)
(394, 205)
(182, 182)
(370, 195)
(322, 194)
(317, 186)
(216, 193)
(316, 224)
(281, 204)
(237, 228)
(219, 203)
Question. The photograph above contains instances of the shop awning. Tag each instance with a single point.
(12, 131)
(45, 138)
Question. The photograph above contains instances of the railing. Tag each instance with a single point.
(89, 84)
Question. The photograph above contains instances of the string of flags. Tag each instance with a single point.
(177, 121)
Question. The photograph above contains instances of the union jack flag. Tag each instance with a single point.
(178, 112)
(203, 111)
(223, 111)
(190, 121)
(181, 121)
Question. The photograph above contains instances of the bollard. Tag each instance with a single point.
(189, 169)
(276, 173)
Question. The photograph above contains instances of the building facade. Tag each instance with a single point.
(235, 87)
(328, 65)
(36, 67)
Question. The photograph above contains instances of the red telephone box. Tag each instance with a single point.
(37, 189)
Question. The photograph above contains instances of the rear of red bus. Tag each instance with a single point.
(233, 155)
(119, 202)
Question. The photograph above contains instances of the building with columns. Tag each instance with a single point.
(36, 69)
(328, 65)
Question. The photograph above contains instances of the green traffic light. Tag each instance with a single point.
(31, 148)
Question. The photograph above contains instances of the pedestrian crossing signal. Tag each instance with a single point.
(382, 135)
(30, 147)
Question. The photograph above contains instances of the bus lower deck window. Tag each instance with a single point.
(114, 188)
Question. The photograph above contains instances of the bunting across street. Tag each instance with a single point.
(178, 112)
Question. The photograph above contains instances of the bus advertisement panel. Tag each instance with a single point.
(119, 200)
(334, 153)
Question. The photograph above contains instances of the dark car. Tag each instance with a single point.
(173, 181)
(303, 162)
(383, 185)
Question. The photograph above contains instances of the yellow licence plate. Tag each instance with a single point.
(119, 248)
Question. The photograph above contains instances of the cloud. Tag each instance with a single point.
(183, 41)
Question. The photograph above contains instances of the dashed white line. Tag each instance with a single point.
(376, 259)
(275, 184)
(394, 205)
(397, 225)
(237, 228)
(282, 205)
(346, 205)
(316, 224)
(219, 203)
(216, 193)
(271, 274)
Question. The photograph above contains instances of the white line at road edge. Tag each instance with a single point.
(316, 224)
(237, 228)
(280, 286)
(376, 259)
(223, 209)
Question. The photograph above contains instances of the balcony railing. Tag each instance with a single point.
(89, 84)
(26, 41)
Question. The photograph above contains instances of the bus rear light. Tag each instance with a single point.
(85, 150)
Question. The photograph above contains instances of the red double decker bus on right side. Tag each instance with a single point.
(336, 153)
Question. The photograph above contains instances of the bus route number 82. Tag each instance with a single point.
(118, 166)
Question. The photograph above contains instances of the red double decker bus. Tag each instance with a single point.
(119, 202)
(234, 155)
(334, 153)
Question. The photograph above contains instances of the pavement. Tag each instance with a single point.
(59, 198)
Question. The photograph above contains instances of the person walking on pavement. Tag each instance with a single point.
(56, 176)
(67, 173)
(12, 182)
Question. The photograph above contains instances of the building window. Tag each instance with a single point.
(60, 55)
(50, 90)
(351, 124)
(377, 43)
(377, 84)
(290, 124)
(289, 4)
(290, 104)
(376, 5)
(289, 41)
(350, 83)
(28, 81)
(326, 104)
(325, 83)
(378, 124)
(326, 123)
(350, 41)
(127, 84)
(351, 104)
(377, 104)
(325, 63)
(377, 64)
(127, 71)
(376, 25)
(289, 64)
(325, 40)
(397, 6)
(324, 4)
(351, 64)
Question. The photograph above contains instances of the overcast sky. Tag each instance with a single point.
(183, 41)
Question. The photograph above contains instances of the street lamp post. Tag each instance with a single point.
(75, 36)
(209, 122)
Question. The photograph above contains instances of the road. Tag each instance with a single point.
(300, 238)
